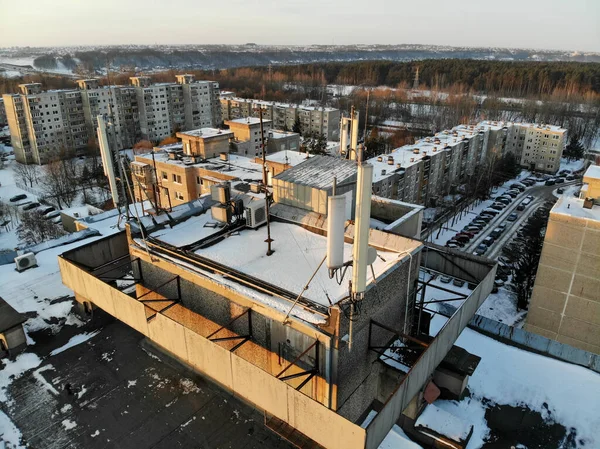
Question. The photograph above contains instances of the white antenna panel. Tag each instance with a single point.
(336, 221)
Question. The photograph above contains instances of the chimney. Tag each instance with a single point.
(588, 203)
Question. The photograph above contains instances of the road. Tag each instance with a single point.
(541, 194)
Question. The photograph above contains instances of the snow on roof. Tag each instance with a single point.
(318, 172)
(206, 133)
(593, 171)
(247, 121)
(189, 231)
(443, 423)
(298, 253)
(573, 207)
(288, 157)
(279, 134)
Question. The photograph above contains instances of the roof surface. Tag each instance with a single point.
(318, 172)
(9, 317)
(593, 171)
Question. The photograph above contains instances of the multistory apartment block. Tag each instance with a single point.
(3, 118)
(312, 119)
(431, 168)
(565, 302)
(44, 124)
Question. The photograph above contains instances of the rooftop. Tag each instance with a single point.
(206, 133)
(9, 317)
(319, 171)
(288, 157)
(573, 207)
(247, 121)
(593, 172)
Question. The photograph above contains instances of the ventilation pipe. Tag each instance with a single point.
(107, 159)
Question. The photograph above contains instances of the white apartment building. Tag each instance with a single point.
(312, 119)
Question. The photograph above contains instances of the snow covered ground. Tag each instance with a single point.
(562, 393)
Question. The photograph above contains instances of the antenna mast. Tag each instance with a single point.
(265, 187)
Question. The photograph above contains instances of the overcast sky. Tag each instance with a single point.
(546, 24)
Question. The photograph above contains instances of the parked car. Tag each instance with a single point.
(488, 241)
(571, 178)
(473, 229)
(445, 279)
(466, 234)
(497, 206)
(490, 211)
(498, 282)
(16, 198)
(529, 197)
(484, 217)
(504, 200)
(458, 282)
(519, 187)
(461, 238)
(513, 193)
(497, 232)
(479, 222)
(502, 226)
(550, 182)
(31, 206)
(560, 190)
(559, 180)
(523, 205)
(53, 214)
(45, 210)
(513, 217)
(481, 249)
(452, 244)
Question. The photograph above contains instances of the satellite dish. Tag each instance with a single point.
(371, 255)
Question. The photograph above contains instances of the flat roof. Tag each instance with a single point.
(288, 157)
(319, 171)
(573, 207)
(206, 133)
(593, 172)
(9, 317)
(247, 121)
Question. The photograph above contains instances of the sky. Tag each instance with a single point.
(543, 24)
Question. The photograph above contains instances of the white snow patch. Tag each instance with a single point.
(187, 423)
(74, 341)
(189, 386)
(13, 369)
(66, 408)
(131, 383)
(397, 439)
(81, 392)
(38, 376)
(511, 376)
(95, 434)
(10, 436)
(68, 424)
(443, 423)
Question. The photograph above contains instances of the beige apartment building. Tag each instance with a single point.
(42, 124)
(248, 138)
(537, 147)
(3, 118)
(565, 303)
(312, 119)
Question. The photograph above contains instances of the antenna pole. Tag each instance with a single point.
(366, 115)
(265, 188)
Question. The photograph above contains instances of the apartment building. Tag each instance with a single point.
(312, 119)
(426, 171)
(313, 360)
(43, 124)
(248, 140)
(565, 303)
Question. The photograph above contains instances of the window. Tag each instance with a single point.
(199, 180)
(176, 178)
(179, 196)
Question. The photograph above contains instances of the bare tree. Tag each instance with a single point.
(27, 173)
(59, 183)
(35, 229)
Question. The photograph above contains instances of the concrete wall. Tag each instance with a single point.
(565, 303)
(101, 251)
(229, 369)
(422, 370)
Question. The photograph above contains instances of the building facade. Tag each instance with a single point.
(433, 167)
(44, 124)
(312, 119)
(565, 303)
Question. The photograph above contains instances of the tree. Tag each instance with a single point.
(35, 229)
(166, 141)
(574, 150)
(58, 183)
(297, 128)
(314, 144)
(27, 173)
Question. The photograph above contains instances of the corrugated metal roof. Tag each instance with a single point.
(318, 172)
